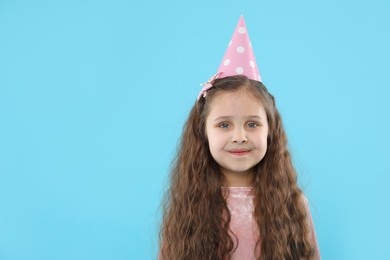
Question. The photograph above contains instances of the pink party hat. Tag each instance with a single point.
(239, 58)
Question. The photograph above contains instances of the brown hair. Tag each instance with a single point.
(196, 219)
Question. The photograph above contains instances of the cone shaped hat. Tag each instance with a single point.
(239, 58)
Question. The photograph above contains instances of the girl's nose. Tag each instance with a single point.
(239, 136)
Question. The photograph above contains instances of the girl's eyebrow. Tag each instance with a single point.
(219, 118)
(222, 118)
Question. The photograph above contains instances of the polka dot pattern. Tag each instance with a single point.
(239, 58)
(240, 49)
(241, 30)
(240, 70)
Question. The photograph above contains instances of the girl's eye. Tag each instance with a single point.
(252, 125)
(224, 125)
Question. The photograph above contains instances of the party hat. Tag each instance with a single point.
(239, 58)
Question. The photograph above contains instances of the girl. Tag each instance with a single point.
(234, 192)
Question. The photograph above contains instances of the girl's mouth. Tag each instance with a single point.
(239, 152)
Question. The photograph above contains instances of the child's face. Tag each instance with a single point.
(237, 130)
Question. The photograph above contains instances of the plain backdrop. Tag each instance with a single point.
(94, 94)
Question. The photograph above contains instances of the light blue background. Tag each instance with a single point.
(93, 96)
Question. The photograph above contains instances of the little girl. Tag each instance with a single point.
(233, 192)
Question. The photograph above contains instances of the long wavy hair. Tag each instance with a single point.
(195, 223)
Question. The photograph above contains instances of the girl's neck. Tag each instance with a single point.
(243, 179)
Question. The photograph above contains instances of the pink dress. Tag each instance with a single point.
(244, 226)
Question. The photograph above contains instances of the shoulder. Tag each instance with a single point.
(310, 224)
(305, 202)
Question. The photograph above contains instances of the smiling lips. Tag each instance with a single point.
(239, 152)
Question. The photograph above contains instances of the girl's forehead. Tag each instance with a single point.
(236, 103)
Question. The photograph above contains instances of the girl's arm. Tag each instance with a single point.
(312, 230)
